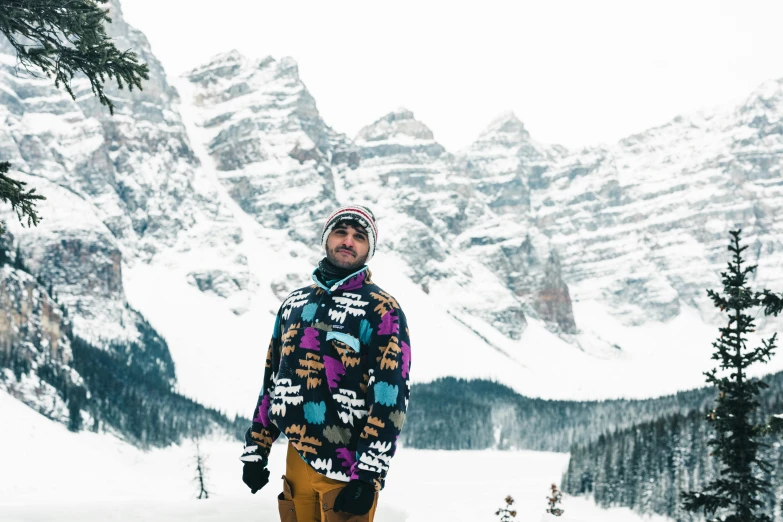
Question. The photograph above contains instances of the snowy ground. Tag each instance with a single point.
(49, 473)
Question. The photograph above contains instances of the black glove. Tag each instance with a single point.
(255, 475)
(357, 498)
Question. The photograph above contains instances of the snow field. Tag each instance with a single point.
(50, 473)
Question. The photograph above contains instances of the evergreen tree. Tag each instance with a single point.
(18, 260)
(5, 253)
(554, 499)
(75, 419)
(735, 494)
(775, 424)
(63, 39)
(14, 192)
(506, 513)
(773, 305)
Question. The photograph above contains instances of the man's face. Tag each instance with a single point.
(347, 246)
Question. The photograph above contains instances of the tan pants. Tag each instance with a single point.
(309, 496)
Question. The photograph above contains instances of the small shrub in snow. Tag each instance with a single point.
(554, 499)
(506, 513)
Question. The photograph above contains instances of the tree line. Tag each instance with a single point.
(723, 462)
(650, 466)
(126, 388)
(451, 413)
(109, 394)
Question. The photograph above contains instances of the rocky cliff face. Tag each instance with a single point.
(121, 189)
(425, 202)
(261, 128)
(29, 318)
(552, 301)
(504, 162)
(397, 133)
(640, 226)
(104, 158)
(643, 225)
(34, 344)
(287, 169)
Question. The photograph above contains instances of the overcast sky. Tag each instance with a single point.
(575, 72)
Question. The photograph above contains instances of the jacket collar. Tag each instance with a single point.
(351, 282)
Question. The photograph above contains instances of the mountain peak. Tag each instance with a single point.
(770, 88)
(225, 65)
(289, 67)
(399, 114)
(507, 123)
(505, 130)
(229, 56)
(399, 123)
(767, 96)
(225, 58)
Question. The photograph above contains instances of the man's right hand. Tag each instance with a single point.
(255, 475)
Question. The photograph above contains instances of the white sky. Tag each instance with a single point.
(575, 72)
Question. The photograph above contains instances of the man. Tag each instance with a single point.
(335, 383)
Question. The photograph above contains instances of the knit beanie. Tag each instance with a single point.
(361, 215)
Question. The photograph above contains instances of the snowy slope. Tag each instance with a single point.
(97, 477)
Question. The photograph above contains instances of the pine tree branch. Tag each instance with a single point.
(772, 302)
(22, 201)
(63, 39)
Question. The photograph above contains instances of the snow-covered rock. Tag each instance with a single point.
(34, 344)
(398, 132)
(263, 133)
(643, 225)
(121, 188)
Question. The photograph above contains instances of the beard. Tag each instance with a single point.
(349, 263)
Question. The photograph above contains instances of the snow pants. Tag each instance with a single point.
(309, 496)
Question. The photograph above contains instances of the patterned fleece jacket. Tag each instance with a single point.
(336, 380)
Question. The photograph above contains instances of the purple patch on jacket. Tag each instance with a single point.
(334, 369)
(354, 471)
(354, 283)
(262, 415)
(406, 359)
(347, 458)
(310, 340)
(389, 323)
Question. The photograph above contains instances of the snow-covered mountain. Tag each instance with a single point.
(643, 225)
(199, 204)
(121, 189)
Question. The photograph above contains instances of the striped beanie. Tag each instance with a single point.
(361, 215)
